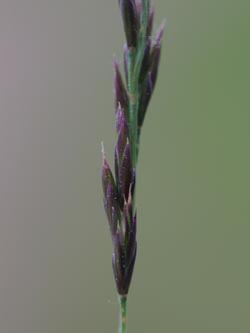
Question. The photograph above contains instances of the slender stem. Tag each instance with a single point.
(135, 57)
(123, 314)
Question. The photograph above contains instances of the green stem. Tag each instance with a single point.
(123, 314)
(135, 57)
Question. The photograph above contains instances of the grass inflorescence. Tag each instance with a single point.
(132, 96)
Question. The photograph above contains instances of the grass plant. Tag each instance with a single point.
(132, 96)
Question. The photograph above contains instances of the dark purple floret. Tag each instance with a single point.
(155, 55)
(159, 34)
(123, 260)
(155, 59)
(129, 273)
(145, 61)
(118, 258)
(130, 21)
(150, 21)
(125, 175)
(107, 176)
(146, 93)
(122, 138)
(121, 96)
(111, 203)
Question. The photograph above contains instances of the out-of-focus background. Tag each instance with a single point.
(56, 106)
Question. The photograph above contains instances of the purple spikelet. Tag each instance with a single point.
(149, 68)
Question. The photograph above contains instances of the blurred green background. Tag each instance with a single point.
(56, 106)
